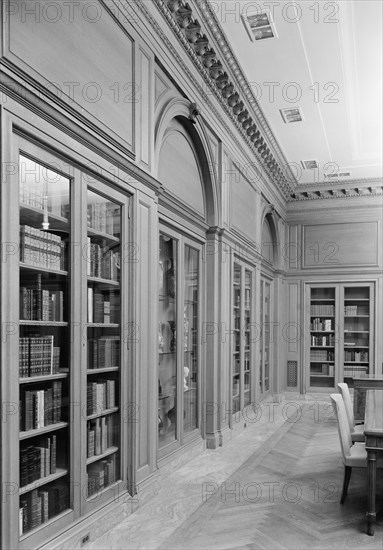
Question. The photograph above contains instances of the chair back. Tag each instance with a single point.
(343, 388)
(343, 425)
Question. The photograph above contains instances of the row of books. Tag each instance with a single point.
(324, 370)
(103, 352)
(323, 340)
(321, 324)
(104, 217)
(41, 248)
(99, 435)
(101, 474)
(361, 309)
(321, 355)
(40, 408)
(355, 370)
(38, 461)
(103, 307)
(39, 505)
(101, 395)
(40, 304)
(102, 261)
(356, 356)
(322, 310)
(38, 356)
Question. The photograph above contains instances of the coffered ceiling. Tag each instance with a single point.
(326, 60)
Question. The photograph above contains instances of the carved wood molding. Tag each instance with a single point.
(336, 193)
(253, 128)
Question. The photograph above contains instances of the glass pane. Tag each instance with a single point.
(267, 328)
(190, 382)
(167, 350)
(356, 332)
(44, 344)
(261, 341)
(247, 338)
(322, 337)
(236, 386)
(103, 342)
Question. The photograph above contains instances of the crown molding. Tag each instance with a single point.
(179, 19)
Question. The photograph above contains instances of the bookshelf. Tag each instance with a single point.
(103, 255)
(340, 344)
(66, 432)
(178, 341)
(242, 305)
(44, 345)
(265, 318)
(322, 337)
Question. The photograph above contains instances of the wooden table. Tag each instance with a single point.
(361, 384)
(373, 431)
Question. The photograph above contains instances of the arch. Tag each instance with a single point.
(269, 236)
(173, 123)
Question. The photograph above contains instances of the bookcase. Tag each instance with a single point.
(242, 351)
(340, 345)
(44, 345)
(178, 342)
(69, 363)
(265, 319)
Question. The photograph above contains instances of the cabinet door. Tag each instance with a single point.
(265, 347)
(323, 324)
(242, 348)
(46, 284)
(179, 356)
(106, 366)
(357, 322)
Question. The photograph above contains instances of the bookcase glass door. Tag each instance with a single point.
(322, 337)
(265, 350)
(356, 332)
(167, 341)
(241, 332)
(190, 339)
(103, 256)
(44, 345)
(237, 348)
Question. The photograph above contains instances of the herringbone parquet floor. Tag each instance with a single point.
(285, 496)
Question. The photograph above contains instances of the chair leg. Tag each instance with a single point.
(346, 481)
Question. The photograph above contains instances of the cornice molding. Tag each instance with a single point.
(340, 192)
(178, 16)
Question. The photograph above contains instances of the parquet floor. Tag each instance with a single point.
(275, 486)
(286, 498)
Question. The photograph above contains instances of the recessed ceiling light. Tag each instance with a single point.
(291, 115)
(259, 26)
(309, 164)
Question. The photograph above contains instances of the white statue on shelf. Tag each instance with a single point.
(186, 374)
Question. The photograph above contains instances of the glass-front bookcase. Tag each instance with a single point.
(44, 344)
(242, 346)
(265, 340)
(179, 288)
(69, 370)
(341, 323)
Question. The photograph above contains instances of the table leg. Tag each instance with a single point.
(371, 488)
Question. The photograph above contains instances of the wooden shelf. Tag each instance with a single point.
(43, 378)
(99, 280)
(103, 413)
(43, 269)
(60, 472)
(108, 452)
(105, 369)
(96, 233)
(26, 322)
(40, 431)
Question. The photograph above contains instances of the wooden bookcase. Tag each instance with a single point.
(341, 333)
(265, 341)
(242, 346)
(69, 370)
